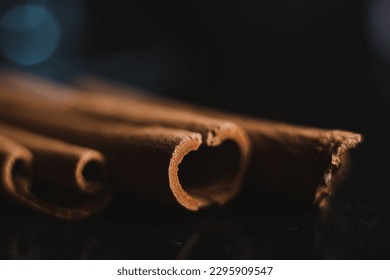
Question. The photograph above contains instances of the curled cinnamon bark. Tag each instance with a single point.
(60, 164)
(15, 167)
(16, 177)
(173, 165)
(301, 162)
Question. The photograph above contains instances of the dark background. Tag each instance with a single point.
(323, 63)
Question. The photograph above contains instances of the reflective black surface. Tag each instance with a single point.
(255, 226)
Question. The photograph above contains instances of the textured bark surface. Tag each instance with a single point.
(302, 162)
(144, 158)
(61, 164)
(16, 166)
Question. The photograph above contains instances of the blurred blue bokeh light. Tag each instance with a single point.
(379, 27)
(29, 34)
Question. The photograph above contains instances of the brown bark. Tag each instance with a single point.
(59, 163)
(301, 162)
(151, 160)
(16, 165)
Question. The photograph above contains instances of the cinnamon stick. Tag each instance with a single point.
(154, 161)
(16, 172)
(15, 167)
(60, 164)
(301, 162)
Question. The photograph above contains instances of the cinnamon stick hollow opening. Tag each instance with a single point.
(89, 177)
(337, 165)
(91, 172)
(209, 169)
(18, 174)
(207, 174)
